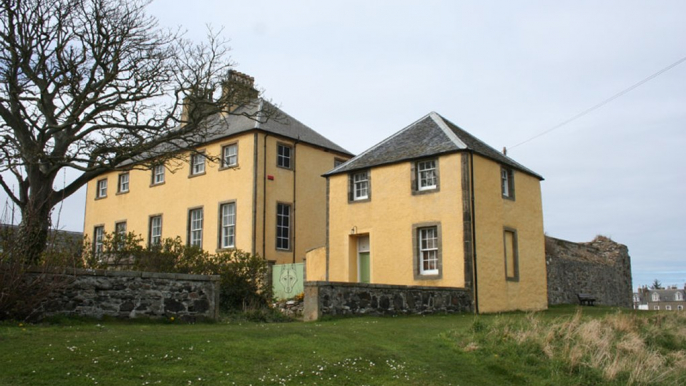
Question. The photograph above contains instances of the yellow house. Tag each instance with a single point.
(434, 206)
(265, 195)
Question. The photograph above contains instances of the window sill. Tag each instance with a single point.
(359, 200)
(101, 197)
(432, 276)
(419, 192)
(283, 167)
(228, 167)
(120, 193)
(196, 175)
(511, 198)
(225, 249)
(156, 184)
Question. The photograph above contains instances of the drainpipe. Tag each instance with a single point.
(264, 198)
(294, 192)
(254, 194)
(475, 279)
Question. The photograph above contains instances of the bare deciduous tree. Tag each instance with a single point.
(88, 84)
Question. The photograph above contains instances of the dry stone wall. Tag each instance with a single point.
(601, 268)
(337, 298)
(129, 294)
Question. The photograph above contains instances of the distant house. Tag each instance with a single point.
(265, 195)
(671, 299)
(432, 205)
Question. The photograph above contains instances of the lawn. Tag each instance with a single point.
(431, 350)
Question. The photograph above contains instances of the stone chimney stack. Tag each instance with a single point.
(238, 90)
(196, 106)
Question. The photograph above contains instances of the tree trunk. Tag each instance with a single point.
(35, 225)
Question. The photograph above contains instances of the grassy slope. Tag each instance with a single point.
(356, 351)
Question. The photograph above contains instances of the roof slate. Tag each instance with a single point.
(257, 115)
(431, 135)
(279, 123)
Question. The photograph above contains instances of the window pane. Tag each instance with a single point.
(228, 225)
(198, 163)
(155, 230)
(360, 186)
(283, 156)
(283, 223)
(428, 250)
(158, 174)
(230, 155)
(196, 228)
(426, 174)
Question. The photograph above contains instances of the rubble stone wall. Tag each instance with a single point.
(338, 298)
(601, 268)
(129, 294)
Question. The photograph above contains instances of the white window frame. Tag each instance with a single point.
(284, 160)
(123, 186)
(360, 185)
(678, 296)
(668, 307)
(679, 308)
(155, 230)
(120, 233)
(655, 296)
(198, 164)
(230, 155)
(427, 244)
(283, 226)
(195, 227)
(158, 174)
(507, 182)
(98, 238)
(427, 178)
(227, 238)
(656, 308)
(101, 188)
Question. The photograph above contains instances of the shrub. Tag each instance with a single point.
(22, 287)
(244, 283)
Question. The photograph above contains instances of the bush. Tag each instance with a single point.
(244, 283)
(24, 287)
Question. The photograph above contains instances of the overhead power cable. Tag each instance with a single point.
(603, 103)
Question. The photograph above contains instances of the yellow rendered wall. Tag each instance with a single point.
(179, 193)
(315, 264)
(492, 214)
(388, 219)
(309, 204)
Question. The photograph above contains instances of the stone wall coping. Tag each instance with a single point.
(133, 274)
(380, 286)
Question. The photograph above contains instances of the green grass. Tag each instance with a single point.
(432, 350)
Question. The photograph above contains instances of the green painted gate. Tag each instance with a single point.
(287, 280)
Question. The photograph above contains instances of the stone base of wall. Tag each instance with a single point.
(337, 298)
(128, 294)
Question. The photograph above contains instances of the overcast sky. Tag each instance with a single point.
(359, 71)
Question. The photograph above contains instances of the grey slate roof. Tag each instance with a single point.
(256, 115)
(429, 136)
(667, 295)
(280, 124)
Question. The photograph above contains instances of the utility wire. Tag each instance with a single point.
(603, 103)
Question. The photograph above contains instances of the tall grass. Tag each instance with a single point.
(622, 348)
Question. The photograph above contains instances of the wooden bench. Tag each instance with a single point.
(586, 299)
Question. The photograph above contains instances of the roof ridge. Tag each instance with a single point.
(384, 141)
(446, 130)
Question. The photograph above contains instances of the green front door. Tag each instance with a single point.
(364, 267)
